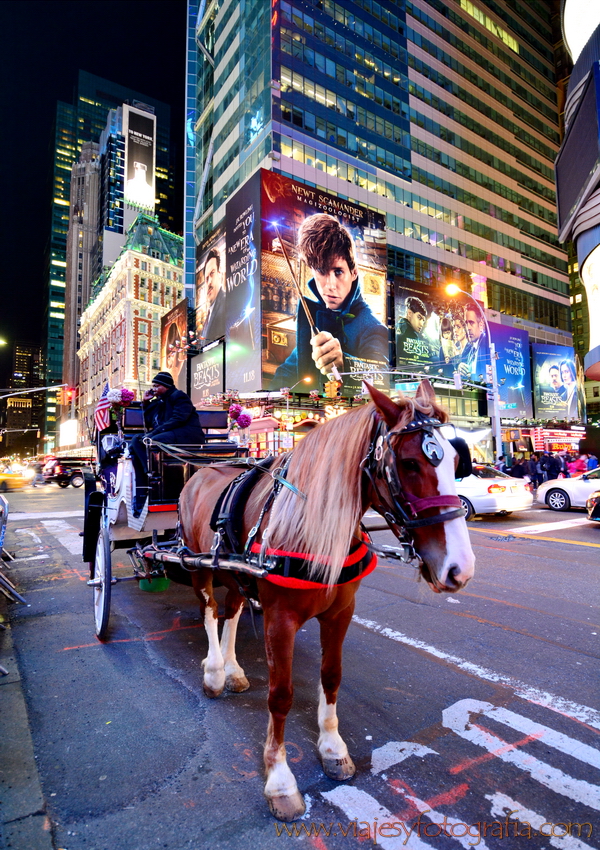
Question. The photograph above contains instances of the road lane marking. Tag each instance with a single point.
(19, 517)
(30, 533)
(66, 535)
(503, 805)
(550, 526)
(458, 719)
(560, 705)
(491, 531)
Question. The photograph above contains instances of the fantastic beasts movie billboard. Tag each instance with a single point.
(558, 394)
(173, 340)
(323, 271)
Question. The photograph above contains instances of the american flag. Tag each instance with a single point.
(102, 413)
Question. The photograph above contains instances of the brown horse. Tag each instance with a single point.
(386, 455)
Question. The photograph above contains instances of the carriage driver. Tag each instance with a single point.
(170, 417)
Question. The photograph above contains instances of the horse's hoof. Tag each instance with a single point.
(237, 684)
(339, 769)
(211, 693)
(287, 808)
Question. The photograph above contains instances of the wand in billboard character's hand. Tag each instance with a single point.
(335, 375)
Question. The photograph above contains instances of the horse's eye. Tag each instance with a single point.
(409, 465)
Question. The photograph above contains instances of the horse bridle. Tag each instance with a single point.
(402, 508)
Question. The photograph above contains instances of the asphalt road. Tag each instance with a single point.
(461, 708)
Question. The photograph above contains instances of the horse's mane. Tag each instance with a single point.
(326, 467)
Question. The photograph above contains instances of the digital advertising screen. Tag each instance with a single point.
(139, 129)
(323, 288)
(211, 293)
(207, 371)
(173, 338)
(445, 333)
(242, 285)
(513, 370)
(555, 389)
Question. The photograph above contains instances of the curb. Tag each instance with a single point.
(24, 824)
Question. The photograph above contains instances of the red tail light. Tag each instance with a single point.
(529, 487)
(58, 470)
(496, 488)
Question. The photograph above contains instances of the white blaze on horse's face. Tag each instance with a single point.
(445, 547)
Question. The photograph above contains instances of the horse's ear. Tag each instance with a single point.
(425, 392)
(384, 404)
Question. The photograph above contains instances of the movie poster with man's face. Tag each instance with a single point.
(440, 334)
(555, 382)
(211, 294)
(173, 339)
(344, 290)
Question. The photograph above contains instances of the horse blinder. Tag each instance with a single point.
(465, 465)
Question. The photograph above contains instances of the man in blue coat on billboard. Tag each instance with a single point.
(349, 332)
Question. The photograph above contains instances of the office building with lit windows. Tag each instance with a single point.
(84, 120)
(441, 115)
(120, 328)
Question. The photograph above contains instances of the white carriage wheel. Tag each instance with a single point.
(102, 573)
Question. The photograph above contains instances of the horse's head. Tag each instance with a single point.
(412, 472)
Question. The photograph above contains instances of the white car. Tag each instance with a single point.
(489, 491)
(564, 493)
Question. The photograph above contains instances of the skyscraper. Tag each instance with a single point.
(442, 116)
(83, 121)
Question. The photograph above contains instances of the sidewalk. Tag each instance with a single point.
(23, 822)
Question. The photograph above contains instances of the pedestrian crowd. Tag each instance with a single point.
(546, 466)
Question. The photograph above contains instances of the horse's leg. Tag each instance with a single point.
(333, 751)
(235, 680)
(214, 669)
(285, 801)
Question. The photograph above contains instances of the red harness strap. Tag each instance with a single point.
(289, 568)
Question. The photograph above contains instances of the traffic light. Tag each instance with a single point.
(333, 389)
(59, 396)
(69, 394)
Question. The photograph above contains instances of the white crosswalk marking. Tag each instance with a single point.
(395, 752)
(502, 805)
(458, 718)
(549, 527)
(66, 535)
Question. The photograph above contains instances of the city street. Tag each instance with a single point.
(461, 709)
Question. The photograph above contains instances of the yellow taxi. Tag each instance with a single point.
(13, 480)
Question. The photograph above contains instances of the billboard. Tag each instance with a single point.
(211, 295)
(207, 374)
(173, 338)
(333, 252)
(242, 285)
(513, 370)
(139, 129)
(444, 333)
(555, 385)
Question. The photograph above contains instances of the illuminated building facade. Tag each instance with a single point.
(578, 182)
(442, 115)
(120, 328)
(82, 121)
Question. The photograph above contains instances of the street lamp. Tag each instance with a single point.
(453, 289)
(307, 380)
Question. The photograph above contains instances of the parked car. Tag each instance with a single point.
(593, 506)
(489, 491)
(66, 471)
(564, 493)
(13, 480)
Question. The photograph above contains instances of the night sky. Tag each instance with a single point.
(43, 45)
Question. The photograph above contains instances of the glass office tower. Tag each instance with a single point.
(76, 123)
(440, 114)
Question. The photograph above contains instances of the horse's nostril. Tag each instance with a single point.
(453, 575)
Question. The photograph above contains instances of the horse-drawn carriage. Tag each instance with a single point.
(110, 518)
(287, 533)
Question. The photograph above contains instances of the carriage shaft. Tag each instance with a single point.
(196, 562)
